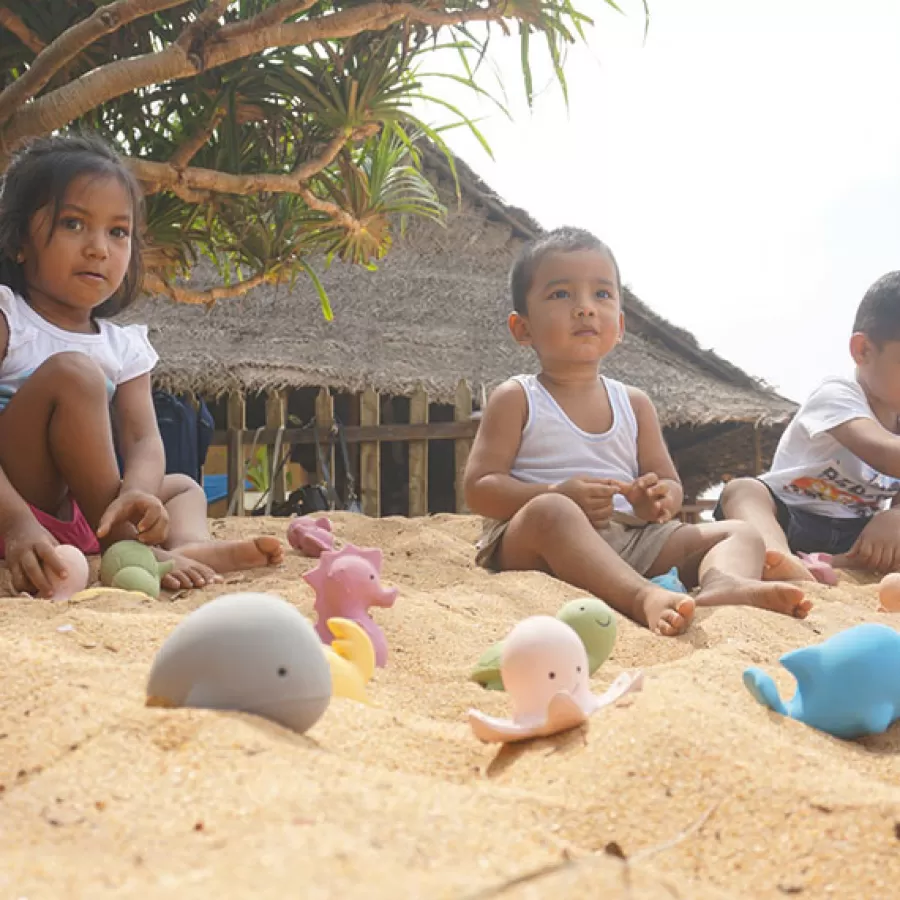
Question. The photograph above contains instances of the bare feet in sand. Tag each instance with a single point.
(719, 589)
(785, 567)
(666, 612)
(234, 556)
(187, 573)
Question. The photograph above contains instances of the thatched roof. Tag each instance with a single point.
(433, 314)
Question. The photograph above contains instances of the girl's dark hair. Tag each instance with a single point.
(38, 176)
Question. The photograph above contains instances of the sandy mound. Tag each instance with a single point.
(703, 792)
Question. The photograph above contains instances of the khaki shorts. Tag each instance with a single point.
(635, 541)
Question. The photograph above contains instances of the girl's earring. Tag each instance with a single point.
(20, 257)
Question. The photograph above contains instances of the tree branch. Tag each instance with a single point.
(71, 42)
(195, 184)
(11, 22)
(153, 284)
(56, 109)
(192, 146)
(204, 20)
(274, 15)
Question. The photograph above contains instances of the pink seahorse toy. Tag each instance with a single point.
(347, 582)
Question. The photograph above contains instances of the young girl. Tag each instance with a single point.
(72, 383)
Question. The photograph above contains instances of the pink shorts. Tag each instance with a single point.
(77, 532)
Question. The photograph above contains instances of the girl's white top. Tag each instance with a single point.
(121, 352)
(554, 449)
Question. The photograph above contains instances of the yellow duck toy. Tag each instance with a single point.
(352, 659)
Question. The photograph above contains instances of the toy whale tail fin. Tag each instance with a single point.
(763, 689)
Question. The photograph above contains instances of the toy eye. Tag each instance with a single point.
(578, 669)
(582, 609)
(282, 671)
(371, 578)
(552, 675)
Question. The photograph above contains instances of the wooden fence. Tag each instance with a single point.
(368, 436)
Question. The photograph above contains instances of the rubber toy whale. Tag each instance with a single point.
(248, 652)
(847, 686)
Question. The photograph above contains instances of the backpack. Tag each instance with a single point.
(186, 433)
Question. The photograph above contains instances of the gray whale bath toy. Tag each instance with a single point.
(245, 652)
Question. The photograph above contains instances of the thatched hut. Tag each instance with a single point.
(431, 323)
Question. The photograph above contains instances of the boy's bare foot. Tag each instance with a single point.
(666, 612)
(785, 567)
(719, 589)
(187, 574)
(234, 556)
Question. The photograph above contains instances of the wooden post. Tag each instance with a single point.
(462, 412)
(324, 420)
(370, 456)
(235, 422)
(276, 417)
(418, 456)
(757, 452)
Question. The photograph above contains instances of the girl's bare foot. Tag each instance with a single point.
(785, 567)
(666, 612)
(234, 556)
(187, 574)
(719, 589)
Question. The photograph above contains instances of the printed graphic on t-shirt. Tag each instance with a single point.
(831, 486)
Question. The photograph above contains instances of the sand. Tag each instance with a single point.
(692, 790)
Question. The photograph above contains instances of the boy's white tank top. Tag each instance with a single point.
(554, 449)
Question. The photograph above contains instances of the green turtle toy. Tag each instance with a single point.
(591, 619)
(132, 566)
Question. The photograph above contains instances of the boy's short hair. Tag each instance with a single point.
(560, 240)
(878, 316)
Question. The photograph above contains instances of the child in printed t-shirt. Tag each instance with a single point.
(570, 468)
(837, 465)
(70, 221)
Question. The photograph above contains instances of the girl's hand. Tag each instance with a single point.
(145, 511)
(31, 557)
(650, 498)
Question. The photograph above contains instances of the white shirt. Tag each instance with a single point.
(813, 470)
(121, 352)
(554, 449)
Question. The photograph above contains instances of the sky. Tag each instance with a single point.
(743, 162)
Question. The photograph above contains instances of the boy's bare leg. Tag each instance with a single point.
(748, 500)
(199, 559)
(726, 560)
(552, 534)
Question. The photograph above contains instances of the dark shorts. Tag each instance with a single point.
(809, 533)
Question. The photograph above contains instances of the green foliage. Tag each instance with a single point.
(271, 111)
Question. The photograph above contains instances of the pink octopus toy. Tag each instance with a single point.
(347, 582)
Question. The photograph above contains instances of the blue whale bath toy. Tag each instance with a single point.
(847, 686)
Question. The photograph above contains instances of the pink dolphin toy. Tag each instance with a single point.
(347, 583)
(544, 667)
(310, 536)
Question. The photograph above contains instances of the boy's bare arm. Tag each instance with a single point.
(872, 443)
(654, 458)
(490, 490)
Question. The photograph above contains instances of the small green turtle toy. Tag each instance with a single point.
(591, 619)
(131, 566)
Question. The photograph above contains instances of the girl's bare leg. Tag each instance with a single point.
(552, 534)
(198, 557)
(56, 439)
